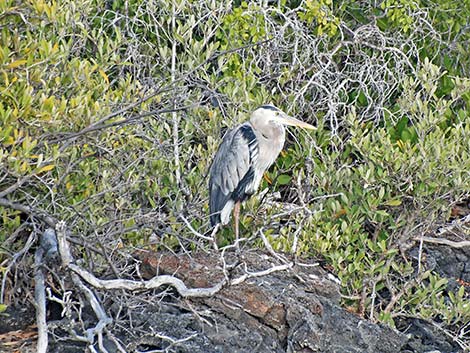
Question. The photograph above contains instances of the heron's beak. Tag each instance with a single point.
(288, 120)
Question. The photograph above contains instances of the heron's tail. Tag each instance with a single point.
(220, 206)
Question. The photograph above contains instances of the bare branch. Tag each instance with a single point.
(12, 187)
(194, 231)
(154, 283)
(103, 319)
(30, 211)
(175, 118)
(40, 298)
(13, 261)
(100, 125)
(172, 342)
(442, 241)
(266, 272)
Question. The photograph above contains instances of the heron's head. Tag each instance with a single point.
(269, 114)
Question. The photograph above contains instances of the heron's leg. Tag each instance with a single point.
(236, 216)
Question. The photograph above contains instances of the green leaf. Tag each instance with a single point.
(461, 292)
(393, 203)
(362, 99)
(283, 179)
(17, 63)
(406, 135)
(440, 283)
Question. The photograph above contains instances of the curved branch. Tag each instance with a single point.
(126, 284)
(442, 241)
(153, 283)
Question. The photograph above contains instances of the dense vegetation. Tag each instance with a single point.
(110, 113)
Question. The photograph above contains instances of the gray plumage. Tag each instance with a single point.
(245, 153)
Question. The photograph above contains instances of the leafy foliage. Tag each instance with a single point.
(110, 114)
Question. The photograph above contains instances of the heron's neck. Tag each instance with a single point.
(277, 133)
(269, 130)
(271, 139)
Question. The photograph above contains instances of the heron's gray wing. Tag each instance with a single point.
(232, 169)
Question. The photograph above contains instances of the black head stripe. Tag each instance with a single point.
(270, 107)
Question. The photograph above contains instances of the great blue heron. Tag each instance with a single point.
(245, 153)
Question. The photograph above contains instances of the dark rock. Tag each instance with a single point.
(425, 337)
(336, 330)
(295, 310)
(288, 311)
(449, 262)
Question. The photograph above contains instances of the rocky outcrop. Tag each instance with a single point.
(294, 310)
(290, 311)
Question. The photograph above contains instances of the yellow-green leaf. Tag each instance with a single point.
(24, 166)
(16, 63)
(46, 168)
(48, 103)
(103, 74)
(5, 78)
(393, 203)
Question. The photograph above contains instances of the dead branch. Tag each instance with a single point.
(30, 211)
(64, 249)
(13, 187)
(103, 319)
(154, 283)
(266, 272)
(463, 344)
(40, 298)
(458, 223)
(195, 232)
(442, 241)
(175, 118)
(12, 262)
(270, 248)
(101, 125)
(172, 342)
